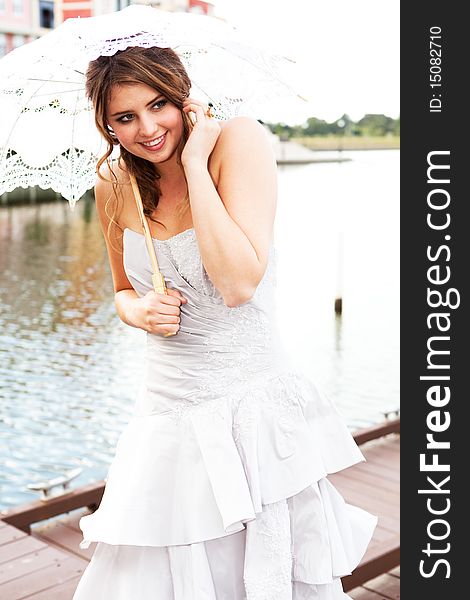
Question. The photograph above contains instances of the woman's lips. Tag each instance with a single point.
(154, 147)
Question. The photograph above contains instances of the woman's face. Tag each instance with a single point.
(145, 122)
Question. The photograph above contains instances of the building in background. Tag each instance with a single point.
(22, 21)
(65, 9)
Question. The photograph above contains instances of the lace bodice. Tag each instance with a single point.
(182, 250)
(217, 348)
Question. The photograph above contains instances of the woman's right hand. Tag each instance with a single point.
(159, 313)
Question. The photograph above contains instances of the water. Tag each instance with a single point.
(70, 369)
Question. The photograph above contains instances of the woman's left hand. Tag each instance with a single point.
(203, 136)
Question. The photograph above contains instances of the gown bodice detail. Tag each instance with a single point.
(218, 349)
(182, 251)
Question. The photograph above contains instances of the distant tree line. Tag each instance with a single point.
(370, 125)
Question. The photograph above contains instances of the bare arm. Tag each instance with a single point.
(234, 222)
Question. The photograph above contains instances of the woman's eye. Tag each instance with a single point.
(160, 103)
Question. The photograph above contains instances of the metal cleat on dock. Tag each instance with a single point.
(45, 487)
(392, 412)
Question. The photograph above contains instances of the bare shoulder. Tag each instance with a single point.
(240, 127)
(241, 138)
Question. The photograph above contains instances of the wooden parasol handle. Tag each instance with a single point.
(157, 278)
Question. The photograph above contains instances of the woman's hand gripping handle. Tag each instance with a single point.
(158, 313)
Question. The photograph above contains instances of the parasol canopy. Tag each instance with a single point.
(47, 132)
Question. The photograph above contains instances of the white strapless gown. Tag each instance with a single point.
(218, 487)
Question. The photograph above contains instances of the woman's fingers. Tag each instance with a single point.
(166, 309)
(176, 294)
(161, 314)
(166, 330)
(198, 108)
(165, 304)
(164, 318)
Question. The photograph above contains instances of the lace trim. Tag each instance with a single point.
(182, 249)
(55, 175)
(282, 400)
(45, 81)
(268, 556)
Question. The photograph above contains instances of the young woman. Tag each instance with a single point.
(218, 488)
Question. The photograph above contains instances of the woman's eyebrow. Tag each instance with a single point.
(124, 112)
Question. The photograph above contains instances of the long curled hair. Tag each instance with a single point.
(160, 69)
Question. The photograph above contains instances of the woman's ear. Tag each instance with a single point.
(112, 134)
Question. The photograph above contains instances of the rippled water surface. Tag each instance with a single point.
(70, 369)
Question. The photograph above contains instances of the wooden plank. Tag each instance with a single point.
(385, 584)
(10, 534)
(21, 565)
(72, 519)
(380, 548)
(382, 588)
(65, 537)
(63, 591)
(371, 433)
(383, 535)
(20, 548)
(382, 468)
(386, 503)
(386, 472)
(391, 440)
(376, 561)
(67, 568)
(59, 533)
(393, 443)
(379, 473)
(391, 451)
(388, 442)
(389, 512)
(383, 496)
(385, 457)
(361, 593)
(22, 516)
(367, 477)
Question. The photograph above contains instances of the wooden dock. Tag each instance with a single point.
(41, 560)
(375, 486)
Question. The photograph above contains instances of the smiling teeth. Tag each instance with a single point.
(154, 142)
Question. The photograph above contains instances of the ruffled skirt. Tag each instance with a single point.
(229, 501)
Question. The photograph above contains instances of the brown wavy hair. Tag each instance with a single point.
(160, 69)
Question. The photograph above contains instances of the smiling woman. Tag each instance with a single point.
(144, 123)
(219, 486)
(159, 85)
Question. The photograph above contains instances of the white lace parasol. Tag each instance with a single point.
(47, 131)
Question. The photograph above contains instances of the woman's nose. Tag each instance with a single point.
(148, 125)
